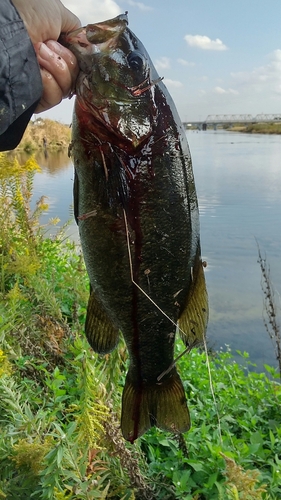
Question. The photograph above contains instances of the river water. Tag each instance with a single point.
(238, 179)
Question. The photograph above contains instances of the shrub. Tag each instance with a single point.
(60, 403)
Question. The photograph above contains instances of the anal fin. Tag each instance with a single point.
(101, 334)
(194, 318)
(161, 404)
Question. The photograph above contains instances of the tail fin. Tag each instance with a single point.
(161, 404)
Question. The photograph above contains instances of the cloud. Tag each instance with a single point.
(254, 90)
(162, 63)
(204, 42)
(183, 62)
(220, 90)
(93, 11)
(265, 78)
(139, 5)
(172, 83)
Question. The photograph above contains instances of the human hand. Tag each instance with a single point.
(59, 70)
(45, 20)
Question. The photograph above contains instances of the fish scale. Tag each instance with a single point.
(136, 207)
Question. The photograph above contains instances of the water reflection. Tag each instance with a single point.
(54, 162)
(55, 183)
(50, 161)
(238, 179)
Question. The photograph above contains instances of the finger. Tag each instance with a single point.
(56, 66)
(67, 56)
(52, 93)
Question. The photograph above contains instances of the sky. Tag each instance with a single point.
(216, 56)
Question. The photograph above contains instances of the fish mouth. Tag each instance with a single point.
(107, 30)
(135, 91)
(96, 34)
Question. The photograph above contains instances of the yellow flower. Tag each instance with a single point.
(30, 455)
(31, 165)
(62, 495)
(5, 365)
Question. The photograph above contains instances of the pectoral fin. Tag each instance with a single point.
(101, 334)
(194, 318)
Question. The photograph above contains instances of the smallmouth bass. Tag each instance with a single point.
(136, 207)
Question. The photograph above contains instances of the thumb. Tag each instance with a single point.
(69, 21)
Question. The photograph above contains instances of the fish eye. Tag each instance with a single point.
(136, 61)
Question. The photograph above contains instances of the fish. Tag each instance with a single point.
(136, 207)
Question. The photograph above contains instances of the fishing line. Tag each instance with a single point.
(136, 284)
(188, 349)
(212, 389)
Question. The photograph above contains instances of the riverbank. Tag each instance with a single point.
(45, 134)
(257, 128)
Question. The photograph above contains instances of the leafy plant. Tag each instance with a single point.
(60, 403)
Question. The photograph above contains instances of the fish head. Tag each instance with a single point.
(115, 87)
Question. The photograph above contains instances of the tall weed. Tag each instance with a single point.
(60, 403)
(271, 323)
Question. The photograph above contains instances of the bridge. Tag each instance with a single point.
(215, 120)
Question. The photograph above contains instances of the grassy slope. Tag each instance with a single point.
(60, 403)
(57, 135)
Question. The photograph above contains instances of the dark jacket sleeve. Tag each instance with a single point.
(20, 79)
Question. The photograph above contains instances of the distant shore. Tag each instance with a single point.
(250, 128)
(257, 128)
(49, 134)
(45, 134)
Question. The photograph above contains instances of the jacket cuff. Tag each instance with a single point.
(13, 135)
(20, 79)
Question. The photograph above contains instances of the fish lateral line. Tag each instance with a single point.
(188, 349)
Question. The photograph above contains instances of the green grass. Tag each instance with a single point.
(264, 128)
(258, 128)
(60, 403)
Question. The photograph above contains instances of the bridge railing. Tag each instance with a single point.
(229, 118)
(243, 118)
(237, 118)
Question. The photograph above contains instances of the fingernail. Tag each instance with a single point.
(61, 51)
(45, 52)
(54, 46)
